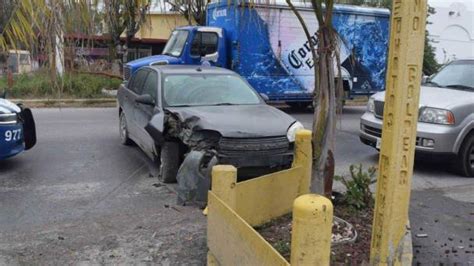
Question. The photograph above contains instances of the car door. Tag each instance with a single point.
(134, 89)
(143, 113)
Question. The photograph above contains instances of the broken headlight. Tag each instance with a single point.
(291, 134)
(10, 118)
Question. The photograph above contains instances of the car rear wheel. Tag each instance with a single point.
(466, 157)
(170, 161)
(124, 139)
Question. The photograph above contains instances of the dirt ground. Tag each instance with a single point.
(278, 234)
(165, 234)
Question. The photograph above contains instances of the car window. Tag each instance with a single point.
(207, 89)
(458, 73)
(151, 84)
(204, 43)
(138, 80)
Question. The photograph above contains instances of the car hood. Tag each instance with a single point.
(236, 121)
(7, 107)
(435, 97)
(153, 59)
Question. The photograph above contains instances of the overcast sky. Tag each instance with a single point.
(446, 3)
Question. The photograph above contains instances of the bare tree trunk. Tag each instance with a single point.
(324, 98)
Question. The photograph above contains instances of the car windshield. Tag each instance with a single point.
(175, 45)
(457, 75)
(207, 89)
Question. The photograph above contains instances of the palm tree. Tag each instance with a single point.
(16, 24)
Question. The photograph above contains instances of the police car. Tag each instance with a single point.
(17, 129)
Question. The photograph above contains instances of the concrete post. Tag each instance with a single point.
(399, 131)
(224, 179)
(311, 231)
(303, 157)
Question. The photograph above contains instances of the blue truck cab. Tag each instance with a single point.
(188, 45)
(266, 45)
(17, 129)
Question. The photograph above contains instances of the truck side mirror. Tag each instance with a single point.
(210, 57)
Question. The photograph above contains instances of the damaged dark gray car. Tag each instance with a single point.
(190, 118)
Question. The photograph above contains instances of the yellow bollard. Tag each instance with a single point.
(399, 132)
(303, 158)
(311, 232)
(224, 179)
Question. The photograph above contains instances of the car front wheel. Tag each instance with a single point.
(124, 139)
(170, 161)
(466, 157)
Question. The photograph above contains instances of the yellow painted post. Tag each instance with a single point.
(311, 230)
(224, 179)
(211, 260)
(399, 131)
(303, 158)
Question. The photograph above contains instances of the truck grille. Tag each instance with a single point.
(126, 73)
(379, 106)
(260, 146)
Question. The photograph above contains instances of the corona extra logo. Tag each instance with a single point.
(219, 13)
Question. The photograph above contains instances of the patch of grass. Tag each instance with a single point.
(71, 85)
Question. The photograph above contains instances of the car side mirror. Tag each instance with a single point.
(145, 99)
(425, 79)
(264, 97)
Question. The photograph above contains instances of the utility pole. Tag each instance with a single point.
(399, 132)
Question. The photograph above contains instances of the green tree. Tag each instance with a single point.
(124, 16)
(192, 10)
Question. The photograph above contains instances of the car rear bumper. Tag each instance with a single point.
(442, 137)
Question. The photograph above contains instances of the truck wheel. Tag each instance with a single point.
(298, 106)
(170, 161)
(124, 139)
(465, 160)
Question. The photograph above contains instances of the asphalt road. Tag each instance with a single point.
(81, 197)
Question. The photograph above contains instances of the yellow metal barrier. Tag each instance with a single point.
(234, 208)
(399, 133)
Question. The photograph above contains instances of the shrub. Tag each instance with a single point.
(358, 194)
(71, 85)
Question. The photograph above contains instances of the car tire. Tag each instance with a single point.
(170, 161)
(465, 160)
(124, 137)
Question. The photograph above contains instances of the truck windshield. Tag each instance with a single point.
(207, 89)
(175, 45)
(457, 75)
